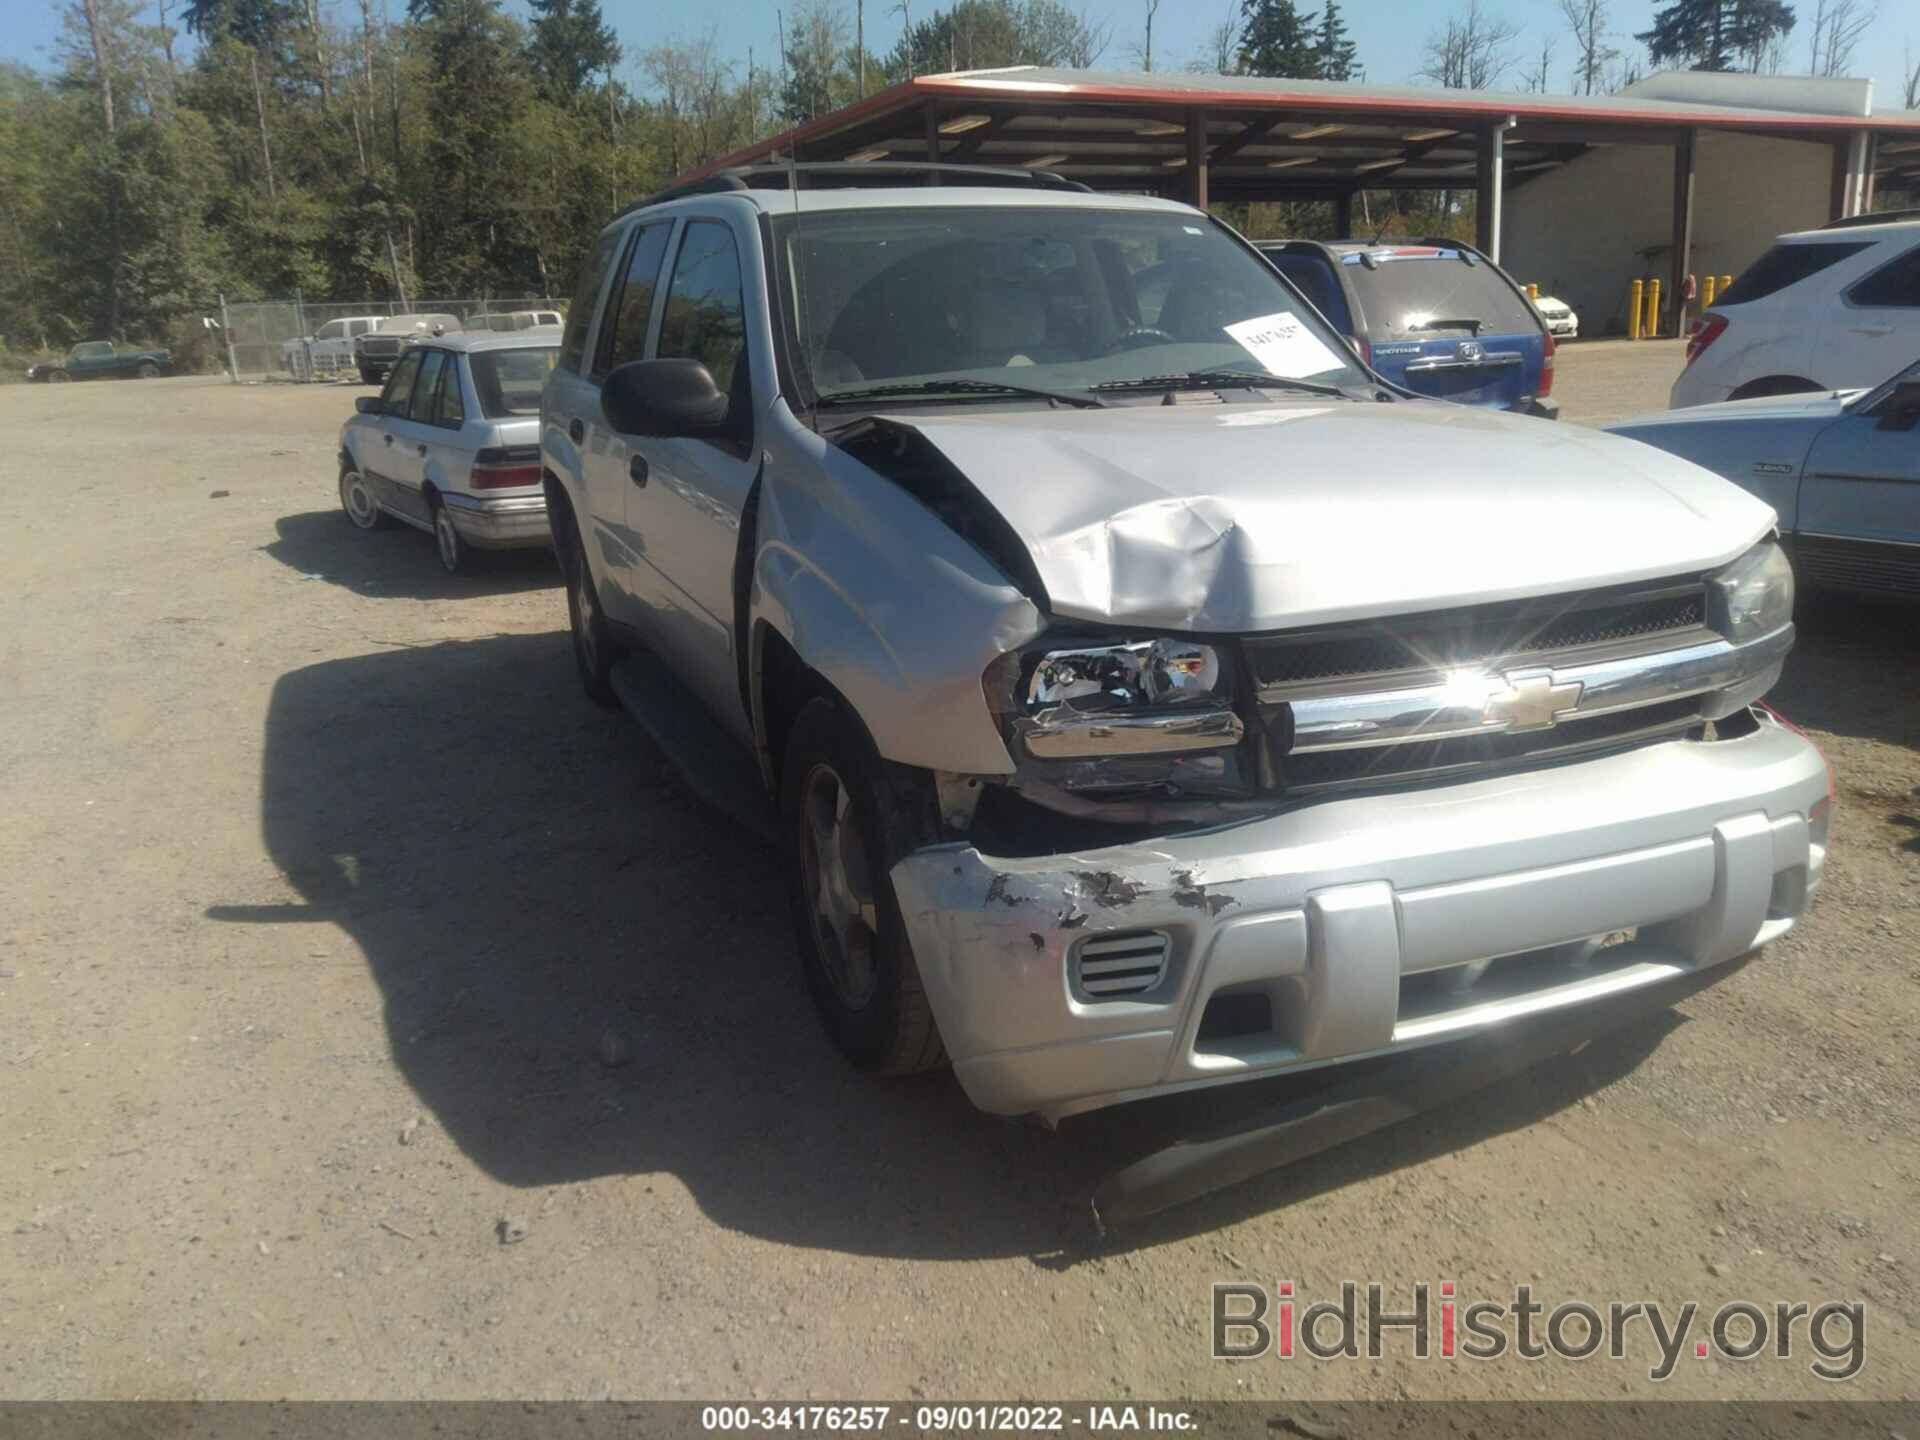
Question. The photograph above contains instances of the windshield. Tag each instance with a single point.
(1045, 298)
(509, 382)
(1413, 293)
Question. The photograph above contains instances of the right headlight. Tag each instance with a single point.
(1107, 699)
(1753, 596)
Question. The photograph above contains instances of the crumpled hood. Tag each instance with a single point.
(1244, 517)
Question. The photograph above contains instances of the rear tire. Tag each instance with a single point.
(454, 555)
(593, 647)
(148, 370)
(1775, 385)
(854, 950)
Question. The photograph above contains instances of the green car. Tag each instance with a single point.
(102, 360)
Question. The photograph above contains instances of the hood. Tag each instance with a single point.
(1248, 517)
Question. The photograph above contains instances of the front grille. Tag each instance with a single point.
(1119, 966)
(1313, 770)
(1475, 635)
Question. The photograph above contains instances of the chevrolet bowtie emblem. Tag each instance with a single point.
(1531, 702)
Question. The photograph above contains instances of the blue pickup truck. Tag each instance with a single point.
(1437, 318)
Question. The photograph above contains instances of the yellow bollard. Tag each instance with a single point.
(1652, 328)
(1634, 310)
(1533, 293)
(1707, 289)
(1725, 282)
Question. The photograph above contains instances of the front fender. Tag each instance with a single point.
(897, 612)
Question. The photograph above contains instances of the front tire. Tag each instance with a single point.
(357, 500)
(369, 376)
(593, 648)
(58, 377)
(854, 950)
(447, 544)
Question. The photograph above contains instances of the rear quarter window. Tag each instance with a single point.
(1414, 297)
(1786, 265)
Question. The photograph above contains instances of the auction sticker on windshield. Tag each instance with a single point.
(1284, 345)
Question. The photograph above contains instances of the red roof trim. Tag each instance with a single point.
(1007, 86)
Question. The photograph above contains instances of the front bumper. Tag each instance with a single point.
(1365, 922)
(510, 523)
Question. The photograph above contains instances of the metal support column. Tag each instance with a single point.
(1683, 152)
(1197, 159)
(1489, 187)
(1343, 214)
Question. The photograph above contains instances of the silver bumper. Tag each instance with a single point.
(504, 524)
(1705, 849)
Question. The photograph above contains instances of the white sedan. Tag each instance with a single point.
(451, 445)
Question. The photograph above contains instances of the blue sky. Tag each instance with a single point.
(1389, 32)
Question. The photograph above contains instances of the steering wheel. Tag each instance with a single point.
(1138, 337)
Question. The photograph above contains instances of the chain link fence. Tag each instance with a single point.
(301, 341)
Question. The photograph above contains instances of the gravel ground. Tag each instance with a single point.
(328, 898)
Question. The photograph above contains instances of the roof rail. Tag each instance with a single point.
(1883, 217)
(850, 175)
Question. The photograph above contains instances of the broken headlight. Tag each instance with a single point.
(1753, 596)
(1129, 698)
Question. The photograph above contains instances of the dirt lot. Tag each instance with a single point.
(324, 888)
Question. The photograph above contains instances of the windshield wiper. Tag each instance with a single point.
(1079, 399)
(1217, 379)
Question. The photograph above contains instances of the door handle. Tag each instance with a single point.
(422, 449)
(637, 470)
(577, 432)
(387, 438)
(1873, 329)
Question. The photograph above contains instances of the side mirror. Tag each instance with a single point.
(367, 404)
(1901, 409)
(663, 398)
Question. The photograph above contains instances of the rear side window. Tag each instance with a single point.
(623, 335)
(509, 382)
(427, 387)
(706, 310)
(1314, 278)
(573, 345)
(1785, 265)
(1416, 297)
(1896, 283)
(449, 406)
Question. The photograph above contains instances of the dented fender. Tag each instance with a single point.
(876, 594)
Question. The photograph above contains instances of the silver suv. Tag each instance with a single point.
(1145, 695)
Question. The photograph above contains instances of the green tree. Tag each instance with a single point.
(1717, 34)
(988, 34)
(1276, 40)
(1337, 54)
(572, 43)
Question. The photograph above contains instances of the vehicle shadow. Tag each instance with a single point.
(398, 562)
(585, 972)
(1854, 670)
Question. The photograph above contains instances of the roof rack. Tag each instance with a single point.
(849, 175)
(1883, 217)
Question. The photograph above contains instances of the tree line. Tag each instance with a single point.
(176, 149)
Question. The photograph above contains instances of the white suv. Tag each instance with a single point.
(1829, 309)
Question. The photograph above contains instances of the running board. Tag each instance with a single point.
(711, 762)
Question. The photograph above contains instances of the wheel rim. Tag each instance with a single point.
(839, 886)
(586, 611)
(354, 496)
(447, 538)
